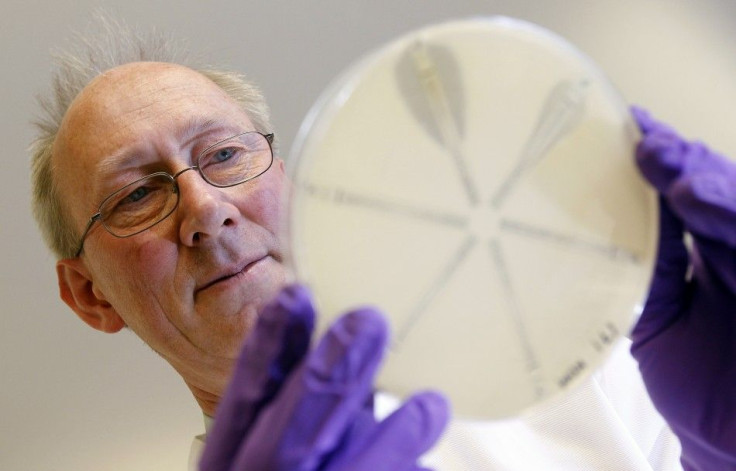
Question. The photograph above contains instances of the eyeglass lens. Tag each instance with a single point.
(145, 202)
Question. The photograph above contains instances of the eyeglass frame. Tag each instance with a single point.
(98, 215)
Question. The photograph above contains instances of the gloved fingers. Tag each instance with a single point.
(362, 424)
(660, 159)
(664, 157)
(647, 124)
(667, 293)
(399, 440)
(277, 344)
(313, 412)
(658, 154)
(707, 205)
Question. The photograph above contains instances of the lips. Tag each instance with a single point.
(230, 273)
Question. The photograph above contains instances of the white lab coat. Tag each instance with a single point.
(607, 423)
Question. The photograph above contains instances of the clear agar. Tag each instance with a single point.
(475, 181)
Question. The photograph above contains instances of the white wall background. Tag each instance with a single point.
(73, 398)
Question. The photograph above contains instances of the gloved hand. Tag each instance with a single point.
(685, 340)
(291, 409)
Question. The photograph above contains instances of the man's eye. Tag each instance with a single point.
(224, 154)
(135, 195)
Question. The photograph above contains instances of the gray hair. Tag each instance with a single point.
(115, 44)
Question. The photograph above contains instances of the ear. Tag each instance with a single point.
(77, 290)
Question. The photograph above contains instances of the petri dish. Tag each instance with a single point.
(475, 181)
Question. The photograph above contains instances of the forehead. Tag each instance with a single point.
(125, 103)
(135, 106)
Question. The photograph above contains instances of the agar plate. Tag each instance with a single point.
(475, 180)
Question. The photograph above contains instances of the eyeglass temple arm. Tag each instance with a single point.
(91, 221)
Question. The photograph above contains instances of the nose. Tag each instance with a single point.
(203, 210)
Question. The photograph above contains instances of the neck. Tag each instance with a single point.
(207, 400)
(207, 388)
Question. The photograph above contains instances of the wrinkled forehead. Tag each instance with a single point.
(130, 99)
(131, 106)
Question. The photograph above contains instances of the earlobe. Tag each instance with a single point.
(77, 290)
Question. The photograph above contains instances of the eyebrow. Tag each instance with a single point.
(194, 128)
(198, 127)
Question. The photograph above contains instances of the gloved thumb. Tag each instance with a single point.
(667, 293)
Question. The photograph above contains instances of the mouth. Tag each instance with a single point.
(237, 272)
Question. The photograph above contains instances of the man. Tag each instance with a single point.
(158, 192)
(156, 187)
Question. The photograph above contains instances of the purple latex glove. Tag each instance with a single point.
(685, 340)
(290, 409)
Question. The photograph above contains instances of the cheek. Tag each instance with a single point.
(140, 276)
(266, 203)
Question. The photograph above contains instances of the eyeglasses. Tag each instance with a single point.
(142, 204)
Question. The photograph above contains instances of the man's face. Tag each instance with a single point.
(190, 286)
